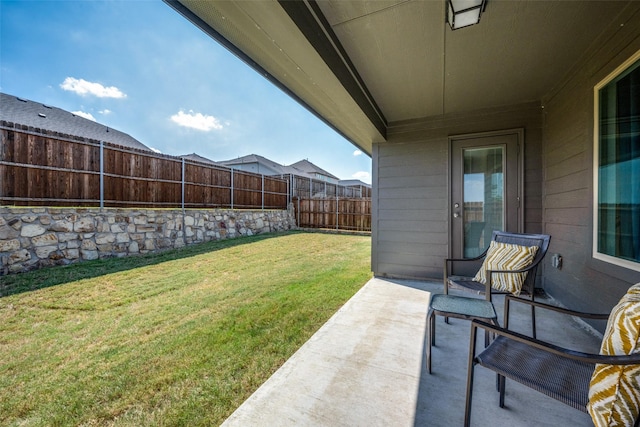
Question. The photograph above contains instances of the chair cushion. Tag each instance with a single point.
(506, 256)
(614, 391)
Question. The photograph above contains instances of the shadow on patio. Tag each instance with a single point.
(365, 367)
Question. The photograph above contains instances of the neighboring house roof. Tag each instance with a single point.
(311, 169)
(199, 158)
(301, 168)
(37, 115)
(353, 182)
(277, 168)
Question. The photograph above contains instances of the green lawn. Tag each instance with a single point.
(179, 338)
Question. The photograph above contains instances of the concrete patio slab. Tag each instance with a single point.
(365, 367)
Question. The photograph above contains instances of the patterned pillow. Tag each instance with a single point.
(614, 391)
(506, 256)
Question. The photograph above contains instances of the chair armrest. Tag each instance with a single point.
(482, 255)
(632, 359)
(582, 314)
(450, 261)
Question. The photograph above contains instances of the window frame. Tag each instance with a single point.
(596, 165)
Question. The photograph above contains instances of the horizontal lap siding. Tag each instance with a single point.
(568, 154)
(411, 197)
(410, 236)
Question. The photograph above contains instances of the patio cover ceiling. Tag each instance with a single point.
(362, 66)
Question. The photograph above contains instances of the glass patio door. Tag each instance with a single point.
(485, 190)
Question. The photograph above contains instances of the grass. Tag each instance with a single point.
(179, 338)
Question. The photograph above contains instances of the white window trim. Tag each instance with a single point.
(596, 165)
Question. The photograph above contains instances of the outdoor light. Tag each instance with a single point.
(462, 13)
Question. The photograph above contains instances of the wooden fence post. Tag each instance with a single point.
(182, 185)
(337, 212)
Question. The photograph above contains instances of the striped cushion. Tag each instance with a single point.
(506, 256)
(614, 391)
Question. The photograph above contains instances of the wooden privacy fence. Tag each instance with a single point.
(335, 213)
(48, 170)
(38, 168)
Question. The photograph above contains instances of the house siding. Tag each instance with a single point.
(410, 211)
(568, 155)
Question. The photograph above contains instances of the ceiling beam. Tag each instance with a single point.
(311, 22)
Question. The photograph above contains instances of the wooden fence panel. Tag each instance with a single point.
(36, 170)
(206, 186)
(276, 192)
(202, 186)
(334, 213)
(247, 190)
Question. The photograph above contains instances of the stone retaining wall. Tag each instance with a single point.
(32, 238)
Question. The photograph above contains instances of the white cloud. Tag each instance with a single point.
(83, 88)
(357, 153)
(85, 115)
(362, 176)
(105, 111)
(196, 121)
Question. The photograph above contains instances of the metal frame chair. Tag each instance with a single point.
(555, 371)
(467, 283)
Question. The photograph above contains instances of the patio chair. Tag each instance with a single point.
(567, 375)
(519, 278)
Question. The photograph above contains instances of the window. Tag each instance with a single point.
(617, 168)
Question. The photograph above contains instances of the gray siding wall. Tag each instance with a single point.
(410, 194)
(568, 154)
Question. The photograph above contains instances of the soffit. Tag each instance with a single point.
(416, 67)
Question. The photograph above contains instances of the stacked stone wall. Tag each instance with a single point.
(32, 238)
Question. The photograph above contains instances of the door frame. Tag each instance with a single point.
(519, 132)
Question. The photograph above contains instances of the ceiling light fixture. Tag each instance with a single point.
(462, 13)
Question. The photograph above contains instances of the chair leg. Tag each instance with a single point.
(467, 407)
(446, 286)
(430, 337)
(533, 321)
(501, 381)
(433, 329)
(470, 371)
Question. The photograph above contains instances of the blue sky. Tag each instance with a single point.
(140, 67)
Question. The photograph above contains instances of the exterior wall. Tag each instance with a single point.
(31, 238)
(410, 236)
(568, 156)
